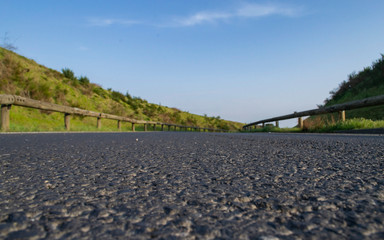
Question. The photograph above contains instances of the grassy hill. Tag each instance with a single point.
(366, 83)
(25, 77)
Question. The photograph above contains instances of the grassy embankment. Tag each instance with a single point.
(366, 83)
(24, 77)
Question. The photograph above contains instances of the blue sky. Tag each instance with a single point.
(242, 60)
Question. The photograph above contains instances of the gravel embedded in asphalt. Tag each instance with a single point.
(168, 185)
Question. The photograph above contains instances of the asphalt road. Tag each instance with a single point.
(168, 185)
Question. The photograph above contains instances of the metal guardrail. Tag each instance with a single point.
(6, 101)
(341, 108)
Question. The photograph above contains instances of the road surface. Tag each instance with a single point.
(168, 185)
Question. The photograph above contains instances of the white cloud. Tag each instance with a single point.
(105, 22)
(202, 17)
(258, 10)
(244, 11)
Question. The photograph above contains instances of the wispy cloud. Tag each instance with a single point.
(83, 48)
(202, 17)
(244, 11)
(105, 22)
(259, 10)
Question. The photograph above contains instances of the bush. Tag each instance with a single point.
(84, 80)
(68, 73)
(99, 91)
(117, 96)
(150, 110)
(128, 96)
(40, 92)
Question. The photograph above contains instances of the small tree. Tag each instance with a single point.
(68, 73)
(7, 45)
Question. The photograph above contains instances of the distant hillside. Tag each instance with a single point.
(25, 77)
(366, 83)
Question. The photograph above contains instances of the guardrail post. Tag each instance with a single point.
(5, 117)
(145, 127)
(154, 127)
(162, 127)
(342, 115)
(169, 128)
(67, 121)
(98, 123)
(119, 125)
(301, 123)
(133, 127)
(277, 124)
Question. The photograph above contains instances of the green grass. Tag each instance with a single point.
(330, 127)
(276, 129)
(350, 124)
(364, 84)
(33, 120)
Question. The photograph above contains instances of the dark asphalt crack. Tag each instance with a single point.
(168, 185)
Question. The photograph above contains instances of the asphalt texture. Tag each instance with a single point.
(168, 185)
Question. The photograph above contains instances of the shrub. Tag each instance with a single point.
(40, 91)
(68, 73)
(128, 96)
(191, 120)
(176, 117)
(150, 110)
(99, 91)
(84, 80)
(117, 96)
